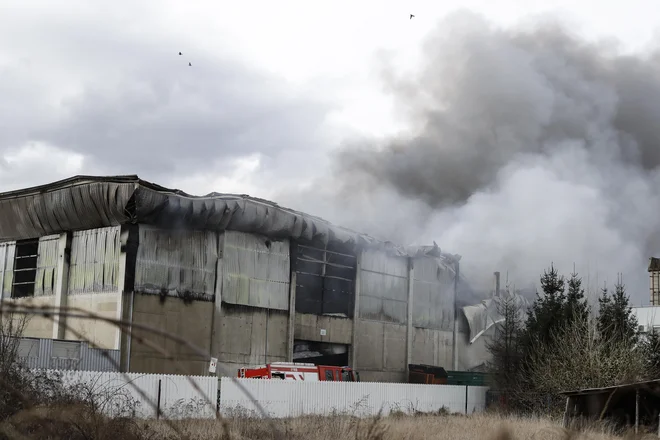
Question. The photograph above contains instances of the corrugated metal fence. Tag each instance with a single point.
(141, 394)
(65, 355)
(293, 399)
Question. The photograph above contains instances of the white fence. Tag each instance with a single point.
(291, 399)
(138, 394)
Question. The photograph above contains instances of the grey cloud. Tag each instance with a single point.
(140, 108)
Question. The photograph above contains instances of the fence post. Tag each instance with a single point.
(158, 401)
(466, 398)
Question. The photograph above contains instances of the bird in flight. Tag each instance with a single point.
(190, 64)
(411, 17)
(180, 53)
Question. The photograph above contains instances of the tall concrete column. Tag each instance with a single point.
(356, 310)
(121, 276)
(62, 283)
(455, 335)
(292, 315)
(409, 326)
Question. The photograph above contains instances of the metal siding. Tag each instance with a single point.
(256, 271)
(7, 252)
(94, 266)
(46, 279)
(383, 287)
(179, 399)
(283, 399)
(70, 208)
(47, 354)
(177, 263)
(433, 294)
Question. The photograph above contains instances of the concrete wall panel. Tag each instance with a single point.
(98, 334)
(36, 326)
(432, 347)
(394, 347)
(189, 320)
(337, 330)
(249, 336)
(370, 345)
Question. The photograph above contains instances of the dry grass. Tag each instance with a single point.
(426, 427)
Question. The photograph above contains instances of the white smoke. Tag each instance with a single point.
(530, 147)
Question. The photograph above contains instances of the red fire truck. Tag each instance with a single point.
(299, 371)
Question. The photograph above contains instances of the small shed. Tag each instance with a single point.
(634, 404)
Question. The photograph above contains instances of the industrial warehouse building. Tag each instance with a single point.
(243, 278)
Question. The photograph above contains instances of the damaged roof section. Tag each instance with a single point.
(487, 313)
(86, 202)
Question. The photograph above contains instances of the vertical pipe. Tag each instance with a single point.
(61, 287)
(637, 411)
(455, 336)
(158, 401)
(130, 332)
(497, 284)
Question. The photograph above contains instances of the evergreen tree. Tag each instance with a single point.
(505, 347)
(576, 305)
(547, 313)
(652, 351)
(604, 311)
(616, 321)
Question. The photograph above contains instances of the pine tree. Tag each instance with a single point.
(604, 311)
(616, 321)
(547, 312)
(576, 305)
(652, 351)
(505, 347)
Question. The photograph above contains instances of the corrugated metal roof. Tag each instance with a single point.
(636, 385)
(86, 202)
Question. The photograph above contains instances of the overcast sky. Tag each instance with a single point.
(98, 87)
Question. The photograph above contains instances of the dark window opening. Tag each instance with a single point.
(320, 353)
(328, 376)
(25, 268)
(325, 279)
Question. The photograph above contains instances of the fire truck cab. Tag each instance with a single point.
(300, 371)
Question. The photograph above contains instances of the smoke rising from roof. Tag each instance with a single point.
(528, 146)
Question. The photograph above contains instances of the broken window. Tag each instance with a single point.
(25, 268)
(325, 279)
(28, 267)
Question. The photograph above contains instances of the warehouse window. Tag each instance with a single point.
(325, 279)
(25, 268)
